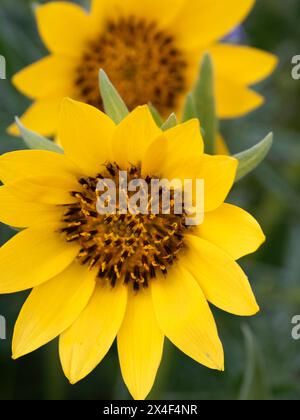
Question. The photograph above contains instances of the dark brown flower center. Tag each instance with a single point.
(142, 61)
(131, 248)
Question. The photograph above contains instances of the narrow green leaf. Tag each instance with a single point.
(189, 110)
(251, 158)
(254, 386)
(205, 106)
(114, 105)
(35, 141)
(171, 122)
(156, 115)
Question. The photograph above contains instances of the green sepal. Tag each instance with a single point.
(114, 105)
(156, 115)
(204, 104)
(35, 141)
(250, 159)
(171, 122)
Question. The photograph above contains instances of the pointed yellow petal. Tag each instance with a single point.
(185, 318)
(41, 117)
(222, 280)
(47, 190)
(19, 214)
(202, 22)
(64, 27)
(243, 65)
(140, 344)
(133, 136)
(34, 256)
(86, 342)
(235, 100)
(156, 157)
(15, 166)
(218, 173)
(85, 134)
(176, 146)
(162, 12)
(51, 308)
(50, 77)
(232, 229)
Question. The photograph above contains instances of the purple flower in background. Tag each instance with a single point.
(237, 36)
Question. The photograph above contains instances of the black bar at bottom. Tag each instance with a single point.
(96, 409)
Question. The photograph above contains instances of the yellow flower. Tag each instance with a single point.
(150, 49)
(135, 277)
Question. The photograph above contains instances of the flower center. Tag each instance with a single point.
(131, 248)
(142, 61)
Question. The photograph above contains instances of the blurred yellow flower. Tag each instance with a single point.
(138, 278)
(151, 51)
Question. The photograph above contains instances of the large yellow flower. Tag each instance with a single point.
(150, 49)
(135, 277)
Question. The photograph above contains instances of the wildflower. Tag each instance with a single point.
(135, 277)
(151, 51)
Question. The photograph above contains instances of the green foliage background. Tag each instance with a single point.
(262, 360)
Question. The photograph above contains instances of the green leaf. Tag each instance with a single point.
(156, 115)
(254, 385)
(189, 110)
(251, 158)
(205, 106)
(114, 105)
(35, 141)
(171, 122)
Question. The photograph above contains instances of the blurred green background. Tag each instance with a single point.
(262, 359)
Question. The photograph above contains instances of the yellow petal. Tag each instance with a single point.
(155, 158)
(34, 256)
(51, 308)
(41, 117)
(222, 280)
(140, 344)
(19, 214)
(162, 12)
(133, 136)
(232, 229)
(86, 342)
(85, 134)
(185, 318)
(235, 100)
(15, 166)
(176, 146)
(201, 22)
(47, 190)
(64, 27)
(218, 173)
(243, 65)
(51, 77)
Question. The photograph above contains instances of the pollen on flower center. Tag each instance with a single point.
(142, 61)
(122, 247)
